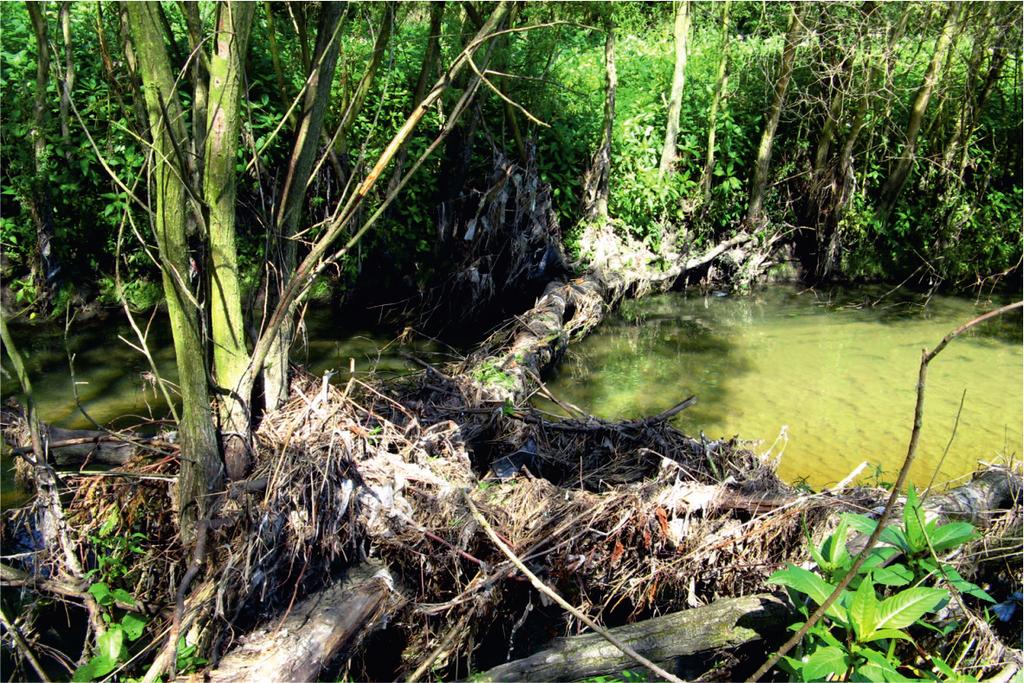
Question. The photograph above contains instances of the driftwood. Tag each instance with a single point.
(312, 633)
(73, 447)
(721, 624)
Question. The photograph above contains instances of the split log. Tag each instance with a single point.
(989, 493)
(722, 624)
(312, 633)
(70, 447)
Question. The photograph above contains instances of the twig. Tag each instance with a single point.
(23, 646)
(441, 647)
(543, 588)
(915, 435)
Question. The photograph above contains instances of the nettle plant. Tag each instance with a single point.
(901, 581)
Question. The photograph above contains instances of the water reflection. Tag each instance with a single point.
(837, 375)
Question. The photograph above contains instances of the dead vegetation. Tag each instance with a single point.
(624, 520)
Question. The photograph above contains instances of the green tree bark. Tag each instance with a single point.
(901, 171)
(764, 150)
(675, 100)
(286, 221)
(230, 356)
(721, 82)
(201, 468)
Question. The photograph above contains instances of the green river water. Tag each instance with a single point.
(832, 375)
(827, 381)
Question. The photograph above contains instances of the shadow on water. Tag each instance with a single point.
(823, 375)
(649, 357)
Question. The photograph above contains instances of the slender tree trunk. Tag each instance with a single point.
(275, 373)
(901, 171)
(45, 264)
(230, 357)
(721, 82)
(764, 151)
(68, 84)
(675, 100)
(431, 56)
(355, 104)
(201, 468)
(595, 184)
(200, 83)
(275, 56)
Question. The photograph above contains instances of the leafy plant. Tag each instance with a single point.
(858, 637)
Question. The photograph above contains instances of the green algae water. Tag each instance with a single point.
(115, 384)
(827, 381)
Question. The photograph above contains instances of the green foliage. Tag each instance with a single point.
(489, 372)
(859, 636)
(113, 552)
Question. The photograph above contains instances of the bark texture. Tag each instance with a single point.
(595, 184)
(227, 329)
(723, 623)
(201, 468)
(721, 83)
(764, 150)
(313, 632)
(675, 100)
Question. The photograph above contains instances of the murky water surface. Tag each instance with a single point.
(114, 381)
(828, 381)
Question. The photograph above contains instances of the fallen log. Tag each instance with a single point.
(312, 633)
(721, 624)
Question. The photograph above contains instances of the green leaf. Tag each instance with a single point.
(101, 593)
(837, 543)
(906, 607)
(133, 626)
(913, 522)
(121, 595)
(823, 662)
(109, 524)
(951, 535)
(810, 584)
(887, 634)
(96, 667)
(110, 643)
(963, 585)
(863, 609)
(894, 575)
(877, 668)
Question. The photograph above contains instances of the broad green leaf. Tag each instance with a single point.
(97, 667)
(110, 643)
(951, 535)
(894, 575)
(837, 545)
(101, 592)
(877, 668)
(810, 584)
(109, 524)
(894, 536)
(124, 596)
(913, 522)
(133, 626)
(906, 607)
(963, 585)
(823, 662)
(887, 634)
(863, 609)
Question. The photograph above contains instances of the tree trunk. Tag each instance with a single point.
(68, 84)
(721, 82)
(275, 57)
(200, 83)
(595, 184)
(759, 185)
(312, 633)
(675, 100)
(201, 468)
(293, 196)
(431, 56)
(724, 623)
(355, 104)
(45, 266)
(227, 329)
(901, 171)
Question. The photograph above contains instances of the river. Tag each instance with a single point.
(825, 380)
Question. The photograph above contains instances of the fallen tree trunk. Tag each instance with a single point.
(721, 624)
(72, 447)
(311, 634)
